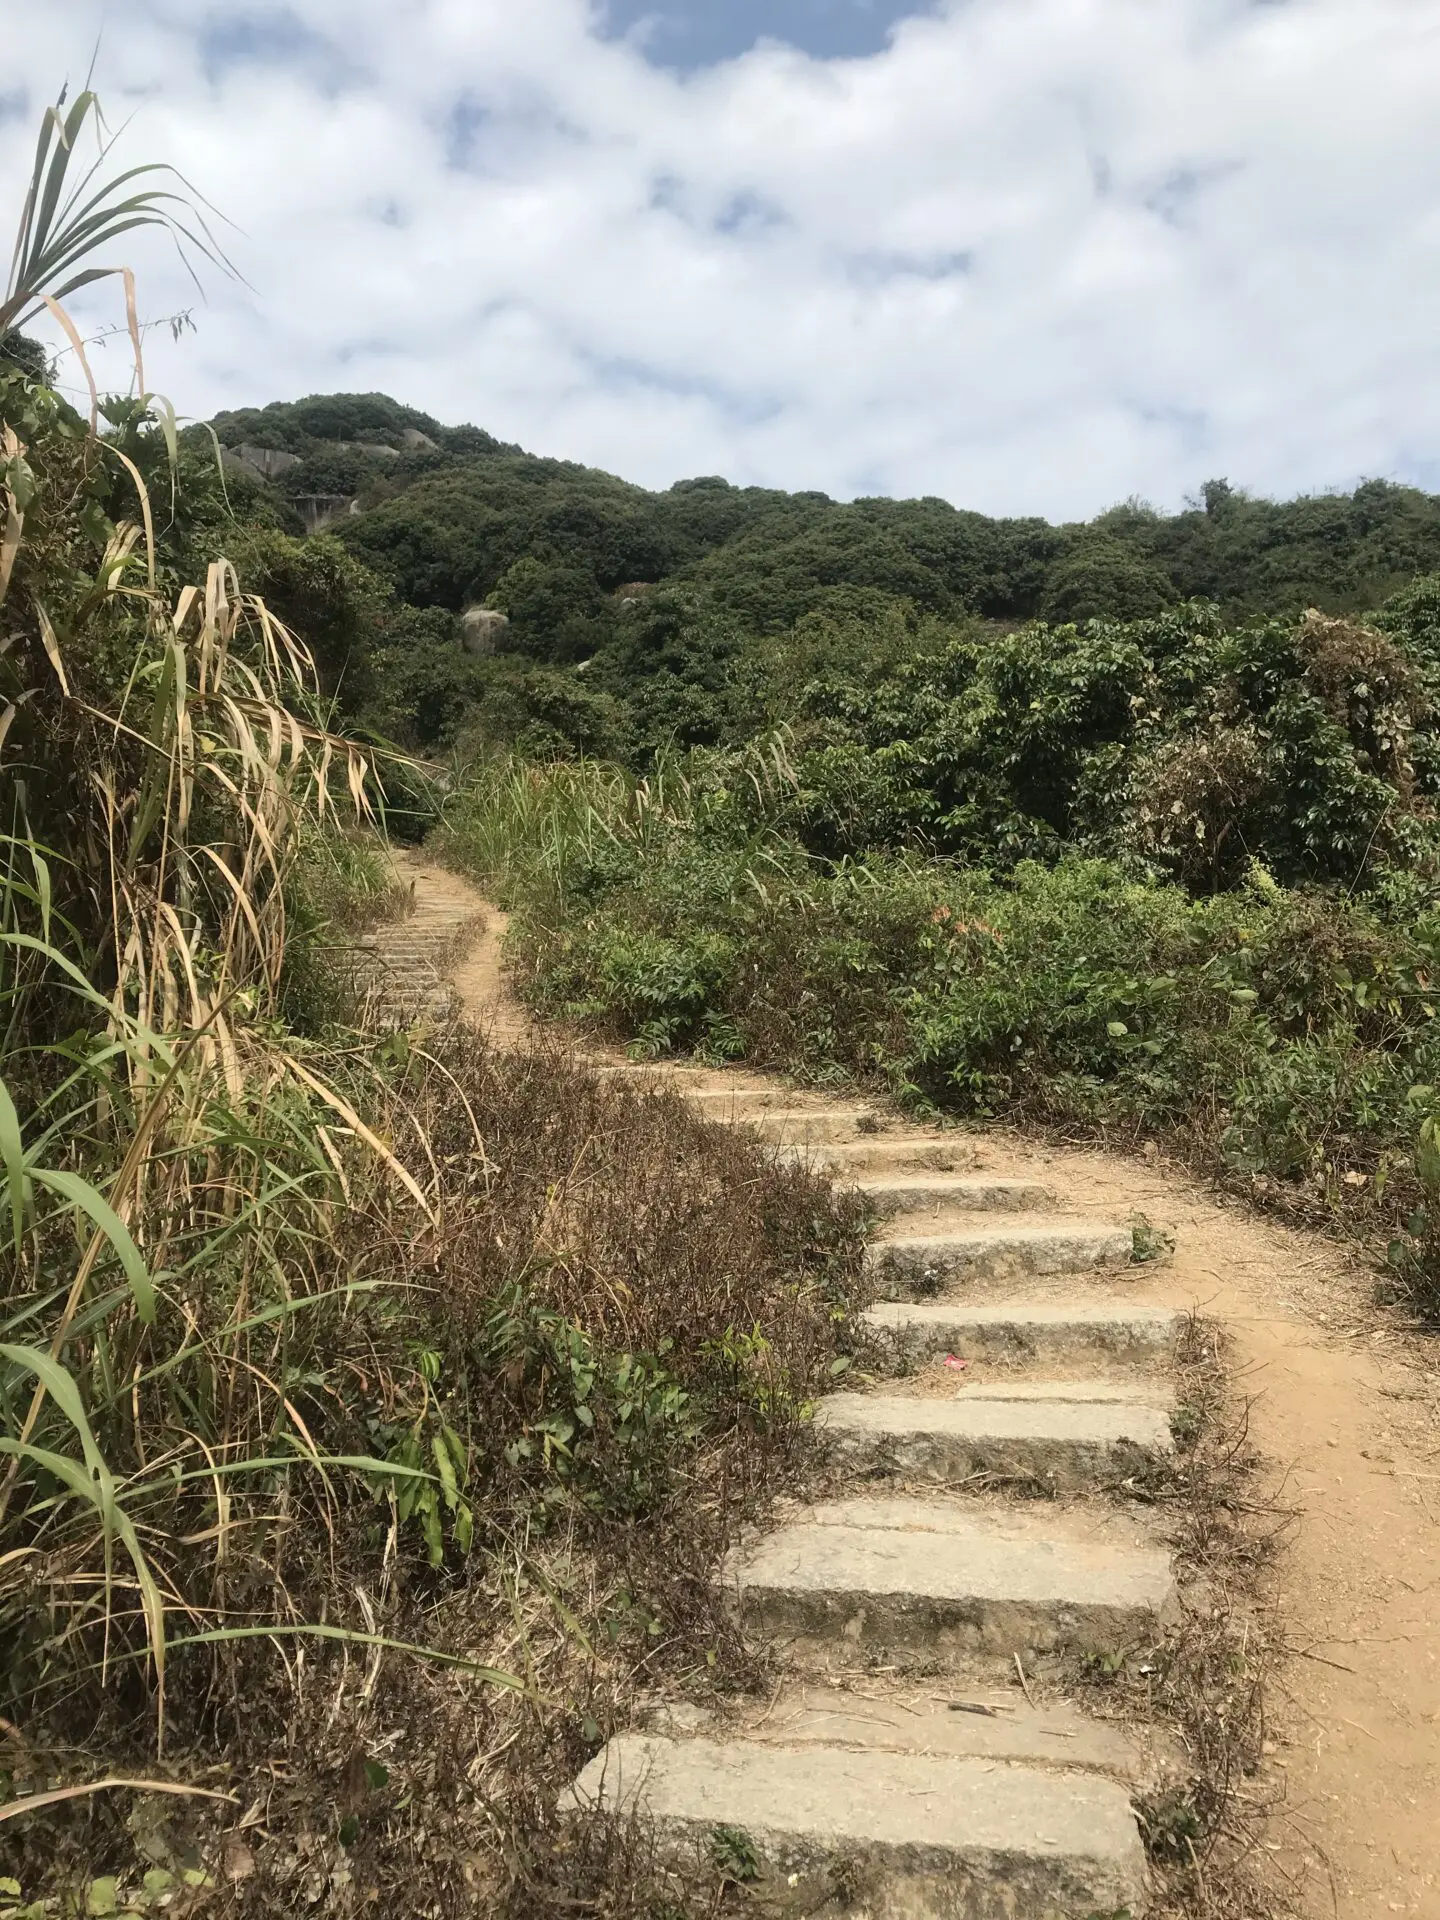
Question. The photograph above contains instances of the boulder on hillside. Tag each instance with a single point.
(481, 628)
(262, 463)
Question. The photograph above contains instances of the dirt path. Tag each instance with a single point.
(1344, 1408)
(1346, 1413)
(462, 934)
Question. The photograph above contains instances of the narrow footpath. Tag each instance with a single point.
(934, 1622)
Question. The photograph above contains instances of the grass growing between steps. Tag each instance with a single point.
(1205, 1683)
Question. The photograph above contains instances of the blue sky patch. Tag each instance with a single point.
(687, 34)
(877, 266)
(274, 37)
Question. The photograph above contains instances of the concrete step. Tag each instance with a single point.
(962, 1721)
(883, 1153)
(1025, 1333)
(919, 1265)
(402, 1008)
(935, 1579)
(1065, 1444)
(898, 1835)
(788, 1126)
(892, 1194)
(1135, 1392)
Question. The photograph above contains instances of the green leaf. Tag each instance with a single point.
(103, 1896)
(444, 1466)
(430, 1527)
(12, 1153)
(81, 1194)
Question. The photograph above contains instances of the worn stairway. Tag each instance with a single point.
(404, 963)
(925, 1763)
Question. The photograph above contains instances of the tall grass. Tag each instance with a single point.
(559, 830)
(167, 1151)
(175, 1166)
(336, 1371)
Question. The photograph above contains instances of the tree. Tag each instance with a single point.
(1104, 579)
(19, 350)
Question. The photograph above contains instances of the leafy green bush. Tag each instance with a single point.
(1287, 1040)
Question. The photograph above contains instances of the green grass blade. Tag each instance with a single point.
(12, 1152)
(218, 1636)
(81, 1194)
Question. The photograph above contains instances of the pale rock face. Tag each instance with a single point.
(266, 463)
(480, 629)
(320, 510)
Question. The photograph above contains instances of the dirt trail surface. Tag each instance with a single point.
(446, 948)
(1344, 1409)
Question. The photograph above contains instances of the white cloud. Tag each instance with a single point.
(1037, 256)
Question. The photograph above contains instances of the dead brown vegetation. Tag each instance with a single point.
(613, 1318)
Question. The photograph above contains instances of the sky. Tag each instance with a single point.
(1032, 256)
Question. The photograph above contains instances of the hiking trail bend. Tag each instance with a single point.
(930, 1621)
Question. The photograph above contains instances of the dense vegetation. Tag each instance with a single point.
(1126, 825)
(640, 621)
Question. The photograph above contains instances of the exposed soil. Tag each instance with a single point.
(475, 971)
(1344, 1404)
(1344, 1411)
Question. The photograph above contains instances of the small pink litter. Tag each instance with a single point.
(958, 1366)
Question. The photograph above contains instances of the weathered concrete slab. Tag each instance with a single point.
(918, 1265)
(1021, 1333)
(1135, 1392)
(1066, 1444)
(934, 1579)
(960, 1722)
(910, 1193)
(790, 1126)
(887, 1153)
(922, 1837)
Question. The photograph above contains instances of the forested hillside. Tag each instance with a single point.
(640, 620)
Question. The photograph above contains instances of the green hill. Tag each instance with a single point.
(694, 616)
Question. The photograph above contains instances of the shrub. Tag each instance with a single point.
(1277, 1036)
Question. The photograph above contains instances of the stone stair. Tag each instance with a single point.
(940, 1192)
(913, 1787)
(404, 963)
(915, 1266)
(1051, 1441)
(887, 1831)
